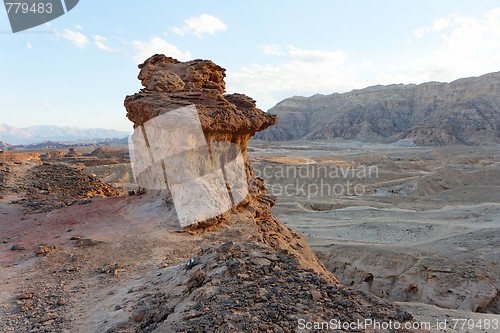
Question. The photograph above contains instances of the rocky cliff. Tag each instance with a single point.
(170, 85)
(466, 111)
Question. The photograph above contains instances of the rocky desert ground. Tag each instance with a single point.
(422, 227)
(423, 236)
(336, 236)
(107, 261)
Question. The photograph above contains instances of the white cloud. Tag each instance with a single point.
(155, 45)
(333, 58)
(301, 72)
(449, 48)
(201, 25)
(421, 32)
(77, 38)
(29, 46)
(78, 27)
(101, 43)
(46, 106)
(271, 49)
(468, 46)
(438, 25)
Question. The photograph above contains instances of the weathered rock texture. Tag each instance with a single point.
(170, 85)
(466, 111)
(47, 186)
(246, 287)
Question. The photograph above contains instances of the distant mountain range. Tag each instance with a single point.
(3, 145)
(465, 111)
(37, 134)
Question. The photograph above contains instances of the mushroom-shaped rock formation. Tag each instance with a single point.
(191, 139)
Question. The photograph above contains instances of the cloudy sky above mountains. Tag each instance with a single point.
(77, 69)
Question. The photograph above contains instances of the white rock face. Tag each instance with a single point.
(170, 152)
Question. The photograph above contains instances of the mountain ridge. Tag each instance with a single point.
(36, 134)
(464, 111)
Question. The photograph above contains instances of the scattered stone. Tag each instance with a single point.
(44, 250)
(233, 267)
(87, 242)
(48, 316)
(55, 185)
(72, 152)
(151, 309)
(24, 296)
(196, 280)
(118, 327)
(316, 295)
(113, 268)
(17, 247)
(191, 263)
(84, 202)
(221, 302)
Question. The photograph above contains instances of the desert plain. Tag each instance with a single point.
(422, 227)
(416, 226)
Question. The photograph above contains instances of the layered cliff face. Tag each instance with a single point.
(466, 111)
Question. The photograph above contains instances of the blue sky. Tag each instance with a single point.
(76, 70)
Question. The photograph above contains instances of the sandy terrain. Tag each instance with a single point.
(72, 261)
(423, 232)
(424, 228)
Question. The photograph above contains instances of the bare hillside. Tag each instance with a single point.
(466, 111)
